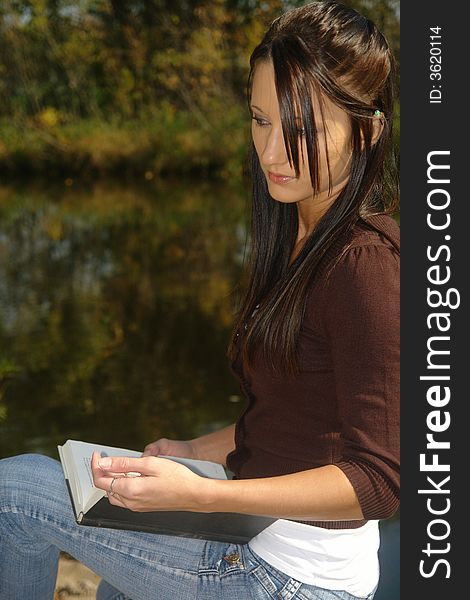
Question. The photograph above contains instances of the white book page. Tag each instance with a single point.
(204, 468)
(78, 468)
(79, 454)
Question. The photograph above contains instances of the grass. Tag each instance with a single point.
(163, 142)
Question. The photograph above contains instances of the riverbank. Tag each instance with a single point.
(74, 580)
(163, 142)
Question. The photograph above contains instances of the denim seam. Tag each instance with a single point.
(265, 581)
(290, 589)
(91, 537)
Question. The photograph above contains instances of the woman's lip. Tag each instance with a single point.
(277, 178)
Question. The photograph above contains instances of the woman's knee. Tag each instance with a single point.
(28, 474)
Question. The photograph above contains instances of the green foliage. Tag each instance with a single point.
(163, 142)
(109, 86)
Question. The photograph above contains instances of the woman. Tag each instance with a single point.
(315, 348)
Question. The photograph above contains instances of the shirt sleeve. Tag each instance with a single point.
(362, 323)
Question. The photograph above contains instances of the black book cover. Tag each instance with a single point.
(220, 527)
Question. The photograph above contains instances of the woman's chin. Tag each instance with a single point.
(279, 196)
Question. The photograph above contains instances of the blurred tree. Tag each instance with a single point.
(92, 62)
(113, 58)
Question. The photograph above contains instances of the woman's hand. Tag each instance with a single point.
(162, 485)
(214, 446)
(170, 448)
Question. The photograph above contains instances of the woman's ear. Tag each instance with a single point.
(378, 122)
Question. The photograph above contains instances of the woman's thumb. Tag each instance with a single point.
(123, 464)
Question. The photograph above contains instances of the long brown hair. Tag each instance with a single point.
(321, 49)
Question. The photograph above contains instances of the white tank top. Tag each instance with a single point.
(334, 559)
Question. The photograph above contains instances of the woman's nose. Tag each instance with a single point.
(274, 152)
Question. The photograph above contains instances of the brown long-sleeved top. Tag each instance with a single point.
(343, 407)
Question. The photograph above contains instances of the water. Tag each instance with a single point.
(116, 305)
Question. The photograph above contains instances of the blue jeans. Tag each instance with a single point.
(36, 522)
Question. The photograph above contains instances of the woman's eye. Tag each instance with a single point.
(259, 121)
(301, 131)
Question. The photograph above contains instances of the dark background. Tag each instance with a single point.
(426, 128)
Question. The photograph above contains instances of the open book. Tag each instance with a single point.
(91, 506)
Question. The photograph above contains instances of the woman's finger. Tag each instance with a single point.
(126, 465)
(115, 488)
(116, 499)
(152, 449)
(102, 478)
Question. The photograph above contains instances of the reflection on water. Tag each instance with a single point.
(115, 309)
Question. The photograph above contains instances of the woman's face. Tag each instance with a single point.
(268, 139)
